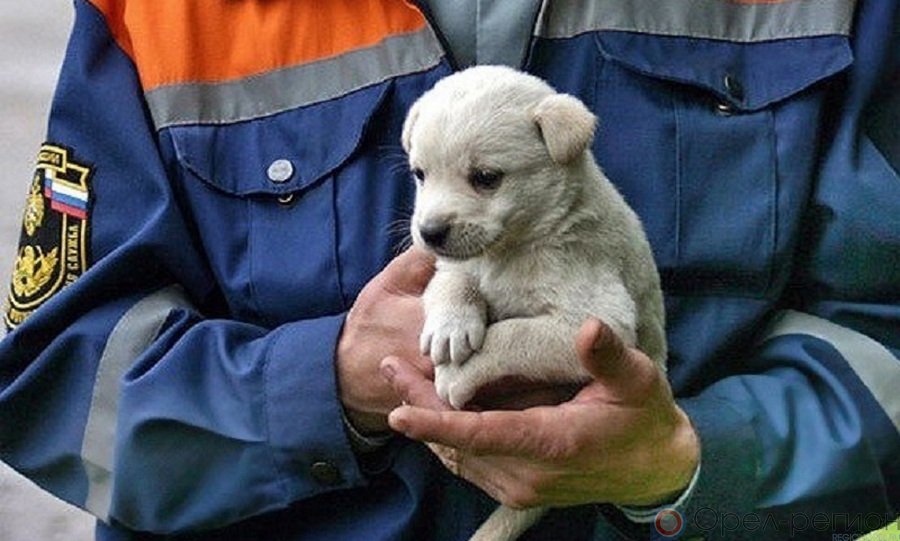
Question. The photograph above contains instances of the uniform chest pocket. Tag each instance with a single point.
(262, 196)
(706, 138)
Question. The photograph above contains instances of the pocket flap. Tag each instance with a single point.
(315, 139)
(749, 76)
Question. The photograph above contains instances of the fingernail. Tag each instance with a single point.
(397, 421)
(388, 370)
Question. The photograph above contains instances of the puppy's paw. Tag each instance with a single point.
(464, 387)
(452, 334)
(443, 377)
(457, 384)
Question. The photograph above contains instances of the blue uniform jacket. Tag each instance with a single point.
(220, 180)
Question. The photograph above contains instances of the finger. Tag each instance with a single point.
(449, 457)
(621, 369)
(508, 480)
(494, 481)
(521, 433)
(469, 468)
(410, 384)
(603, 353)
(409, 272)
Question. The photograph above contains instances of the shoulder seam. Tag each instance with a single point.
(111, 12)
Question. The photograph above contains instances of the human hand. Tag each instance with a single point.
(385, 320)
(622, 439)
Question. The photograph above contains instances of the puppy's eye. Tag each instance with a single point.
(485, 179)
(419, 174)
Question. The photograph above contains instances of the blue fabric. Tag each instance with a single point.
(767, 71)
(790, 198)
(297, 432)
(208, 151)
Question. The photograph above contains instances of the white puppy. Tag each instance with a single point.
(531, 239)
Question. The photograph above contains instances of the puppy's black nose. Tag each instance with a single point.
(435, 234)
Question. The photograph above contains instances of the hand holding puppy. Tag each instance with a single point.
(622, 439)
(384, 320)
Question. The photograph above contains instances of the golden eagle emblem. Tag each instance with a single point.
(33, 270)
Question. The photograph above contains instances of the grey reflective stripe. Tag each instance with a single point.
(712, 19)
(873, 363)
(284, 89)
(131, 336)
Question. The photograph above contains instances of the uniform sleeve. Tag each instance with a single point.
(802, 442)
(125, 388)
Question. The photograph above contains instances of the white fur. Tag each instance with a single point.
(524, 264)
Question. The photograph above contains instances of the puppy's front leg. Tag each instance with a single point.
(455, 317)
(535, 349)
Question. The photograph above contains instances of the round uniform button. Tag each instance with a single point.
(280, 170)
(326, 473)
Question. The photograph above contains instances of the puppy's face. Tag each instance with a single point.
(475, 178)
(486, 176)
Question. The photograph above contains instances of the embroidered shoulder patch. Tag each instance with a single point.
(54, 242)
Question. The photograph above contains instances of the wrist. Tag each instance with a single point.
(676, 465)
(356, 391)
(685, 455)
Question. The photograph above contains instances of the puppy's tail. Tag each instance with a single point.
(507, 524)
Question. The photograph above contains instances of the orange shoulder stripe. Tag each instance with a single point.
(207, 41)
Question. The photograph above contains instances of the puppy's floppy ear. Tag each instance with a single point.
(408, 124)
(566, 125)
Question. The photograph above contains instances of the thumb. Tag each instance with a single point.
(409, 272)
(604, 354)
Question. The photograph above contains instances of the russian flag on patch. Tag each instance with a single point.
(65, 197)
